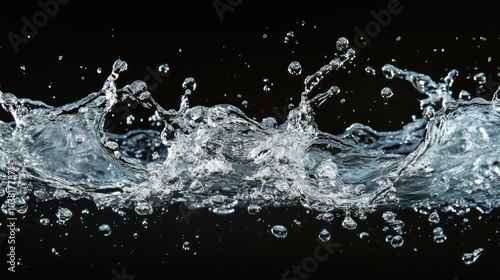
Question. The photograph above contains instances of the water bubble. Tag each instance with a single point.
(20, 205)
(295, 68)
(63, 215)
(189, 84)
(279, 231)
(342, 101)
(359, 189)
(386, 93)
(389, 216)
(388, 238)
(105, 229)
(163, 68)
(327, 217)
(388, 71)
(143, 208)
(397, 241)
(470, 258)
(266, 88)
(244, 103)
(196, 187)
(342, 43)
(186, 246)
(324, 235)
(434, 218)
(254, 209)
(60, 57)
(45, 221)
(439, 237)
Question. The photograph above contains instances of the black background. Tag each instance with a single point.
(229, 57)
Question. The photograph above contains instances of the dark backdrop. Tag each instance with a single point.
(230, 47)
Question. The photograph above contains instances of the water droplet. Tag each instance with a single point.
(254, 209)
(349, 223)
(441, 238)
(55, 252)
(130, 119)
(266, 88)
(342, 101)
(244, 103)
(480, 78)
(186, 246)
(434, 218)
(279, 231)
(342, 44)
(105, 229)
(99, 70)
(397, 241)
(155, 156)
(464, 95)
(364, 235)
(163, 68)
(398, 38)
(295, 68)
(189, 83)
(63, 215)
(470, 258)
(370, 70)
(44, 221)
(386, 93)
(324, 235)
(60, 57)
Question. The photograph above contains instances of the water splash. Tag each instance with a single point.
(219, 158)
